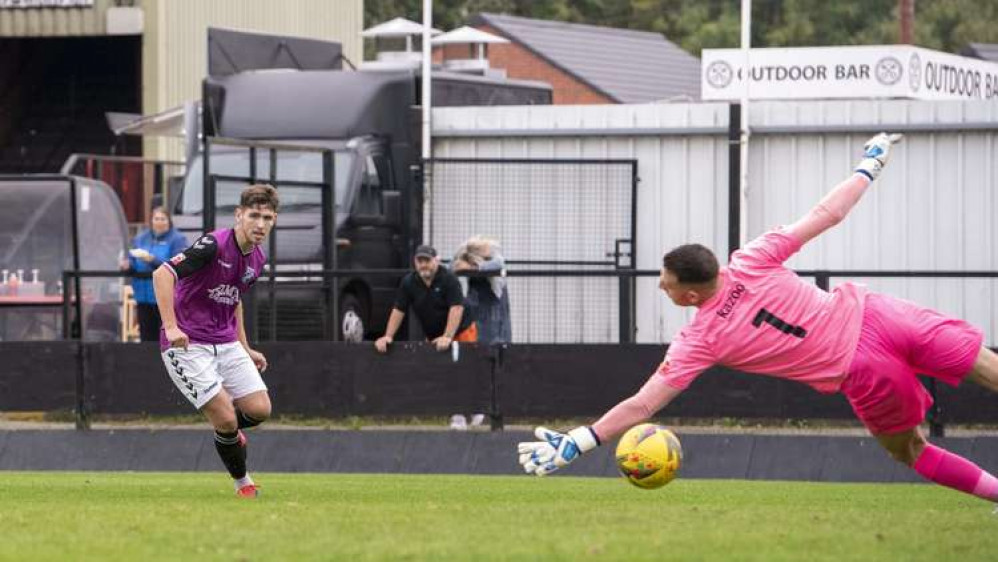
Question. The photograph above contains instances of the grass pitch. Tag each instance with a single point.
(185, 516)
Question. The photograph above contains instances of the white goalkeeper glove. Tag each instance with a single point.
(876, 151)
(555, 450)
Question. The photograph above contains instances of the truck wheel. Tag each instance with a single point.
(352, 315)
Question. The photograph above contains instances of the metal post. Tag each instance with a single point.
(330, 249)
(426, 89)
(158, 186)
(76, 332)
(272, 281)
(496, 357)
(935, 414)
(625, 291)
(208, 189)
(743, 152)
(823, 280)
(734, 178)
(67, 331)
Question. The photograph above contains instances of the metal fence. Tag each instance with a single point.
(566, 228)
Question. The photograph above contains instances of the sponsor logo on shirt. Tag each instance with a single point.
(224, 294)
(248, 275)
(731, 301)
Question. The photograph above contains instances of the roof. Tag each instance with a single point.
(986, 51)
(398, 27)
(606, 58)
(467, 34)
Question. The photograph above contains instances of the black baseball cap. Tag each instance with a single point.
(425, 251)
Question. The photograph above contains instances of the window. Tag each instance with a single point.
(376, 180)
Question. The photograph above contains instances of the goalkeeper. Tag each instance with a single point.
(757, 316)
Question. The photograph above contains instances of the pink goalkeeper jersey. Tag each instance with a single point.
(766, 320)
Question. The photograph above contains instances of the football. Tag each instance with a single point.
(649, 456)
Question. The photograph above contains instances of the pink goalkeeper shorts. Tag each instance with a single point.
(899, 339)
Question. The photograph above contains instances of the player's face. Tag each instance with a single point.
(426, 267)
(255, 222)
(678, 293)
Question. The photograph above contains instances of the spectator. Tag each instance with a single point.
(488, 297)
(434, 294)
(150, 249)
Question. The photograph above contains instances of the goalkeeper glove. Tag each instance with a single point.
(876, 151)
(555, 450)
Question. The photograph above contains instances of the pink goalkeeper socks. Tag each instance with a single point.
(954, 471)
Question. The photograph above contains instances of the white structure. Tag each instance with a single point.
(398, 28)
(470, 36)
(861, 72)
(934, 207)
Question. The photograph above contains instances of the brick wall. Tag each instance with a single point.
(520, 63)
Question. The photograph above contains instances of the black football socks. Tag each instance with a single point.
(232, 454)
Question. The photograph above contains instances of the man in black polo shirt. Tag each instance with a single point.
(436, 298)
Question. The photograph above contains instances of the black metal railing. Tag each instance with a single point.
(73, 330)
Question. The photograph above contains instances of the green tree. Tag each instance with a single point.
(702, 24)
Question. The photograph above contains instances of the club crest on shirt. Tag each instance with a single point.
(248, 276)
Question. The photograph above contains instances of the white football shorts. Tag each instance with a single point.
(204, 369)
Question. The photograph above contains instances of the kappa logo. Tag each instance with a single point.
(225, 265)
(224, 294)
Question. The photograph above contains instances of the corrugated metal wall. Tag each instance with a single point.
(45, 22)
(174, 47)
(934, 208)
(677, 202)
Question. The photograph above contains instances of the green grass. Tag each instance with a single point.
(184, 516)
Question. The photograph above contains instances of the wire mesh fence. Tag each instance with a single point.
(546, 215)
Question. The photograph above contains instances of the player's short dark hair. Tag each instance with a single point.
(692, 263)
(260, 194)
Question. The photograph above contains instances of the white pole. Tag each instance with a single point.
(427, 68)
(744, 125)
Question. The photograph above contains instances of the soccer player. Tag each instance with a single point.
(757, 316)
(203, 339)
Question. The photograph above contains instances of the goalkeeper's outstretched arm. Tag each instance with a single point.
(653, 396)
(555, 450)
(837, 204)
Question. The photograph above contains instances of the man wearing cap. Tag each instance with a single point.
(436, 298)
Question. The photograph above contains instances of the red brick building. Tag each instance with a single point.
(586, 64)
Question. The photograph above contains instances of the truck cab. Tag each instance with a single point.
(361, 121)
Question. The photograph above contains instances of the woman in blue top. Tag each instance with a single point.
(149, 250)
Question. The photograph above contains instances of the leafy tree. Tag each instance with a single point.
(700, 24)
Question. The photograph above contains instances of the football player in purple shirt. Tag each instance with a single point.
(203, 340)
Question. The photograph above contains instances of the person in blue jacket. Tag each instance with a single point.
(149, 250)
